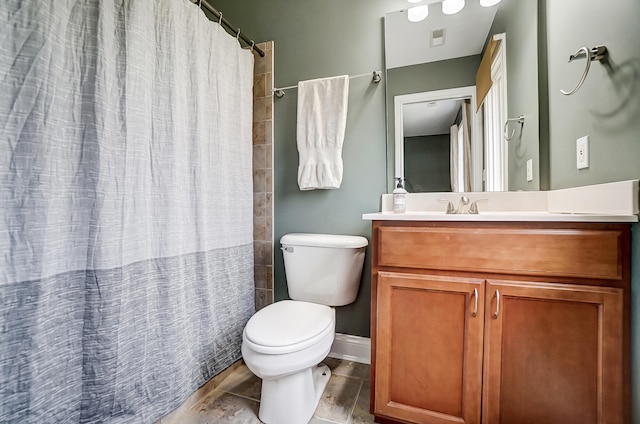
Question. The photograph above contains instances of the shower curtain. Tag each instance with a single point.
(126, 265)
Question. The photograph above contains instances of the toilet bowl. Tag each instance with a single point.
(284, 342)
(287, 362)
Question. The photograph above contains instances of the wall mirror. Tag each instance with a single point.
(428, 63)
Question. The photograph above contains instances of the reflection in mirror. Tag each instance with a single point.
(453, 115)
(427, 66)
(438, 141)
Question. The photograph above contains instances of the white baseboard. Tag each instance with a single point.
(351, 348)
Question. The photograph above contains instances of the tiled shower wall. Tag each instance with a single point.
(263, 175)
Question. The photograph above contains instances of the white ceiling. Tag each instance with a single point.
(429, 118)
(408, 43)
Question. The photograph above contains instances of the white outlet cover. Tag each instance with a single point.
(582, 152)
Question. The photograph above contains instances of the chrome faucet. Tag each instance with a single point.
(464, 206)
(473, 209)
(464, 200)
(450, 208)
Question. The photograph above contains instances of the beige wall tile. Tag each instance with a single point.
(263, 298)
(260, 205)
(263, 175)
(259, 228)
(262, 108)
(259, 180)
(268, 131)
(260, 276)
(260, 85)
(260, 156)
(259, 136)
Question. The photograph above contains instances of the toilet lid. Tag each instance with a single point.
(288, 322)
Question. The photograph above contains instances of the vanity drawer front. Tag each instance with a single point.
(564, 252)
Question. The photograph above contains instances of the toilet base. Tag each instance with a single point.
(292, 399)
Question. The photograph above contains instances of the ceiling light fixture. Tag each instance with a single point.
(418, 13)
(450, 7)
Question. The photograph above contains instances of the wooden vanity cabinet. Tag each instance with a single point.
(500, 322)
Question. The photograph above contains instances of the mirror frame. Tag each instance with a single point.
(477, 145)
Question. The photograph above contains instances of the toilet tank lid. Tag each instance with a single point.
(324, 240)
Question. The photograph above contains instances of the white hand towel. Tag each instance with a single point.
(322, 119)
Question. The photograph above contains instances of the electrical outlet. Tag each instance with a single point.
(530, 170)
(582, 152)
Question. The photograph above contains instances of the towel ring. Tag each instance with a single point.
(599, 53)
(519, 120)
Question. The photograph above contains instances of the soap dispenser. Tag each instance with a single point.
(399, 197)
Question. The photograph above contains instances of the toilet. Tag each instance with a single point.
(283, 343)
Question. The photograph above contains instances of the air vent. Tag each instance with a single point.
(437, 37)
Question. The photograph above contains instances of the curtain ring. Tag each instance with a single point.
(253, 44)
(200, 4)
(220, 20)
(238, 34)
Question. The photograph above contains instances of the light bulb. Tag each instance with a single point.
(449, 7)
(418, 13)
(489, 3)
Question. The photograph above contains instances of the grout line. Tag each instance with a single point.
(328, 420)
(240, 396)
(355, 402)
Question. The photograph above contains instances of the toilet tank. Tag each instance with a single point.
(323, 268)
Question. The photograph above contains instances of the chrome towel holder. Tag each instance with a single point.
(376, 77)
(599, 53)
(519, 120)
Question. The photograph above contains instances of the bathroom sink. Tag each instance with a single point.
(512, 216)
(610, 202)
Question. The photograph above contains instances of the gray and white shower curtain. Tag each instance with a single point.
(126, 259)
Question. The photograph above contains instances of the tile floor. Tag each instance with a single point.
(234, 397)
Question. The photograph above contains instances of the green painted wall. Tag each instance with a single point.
(519, 20)
(607, 107)
(427, 167)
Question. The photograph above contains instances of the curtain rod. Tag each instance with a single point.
(228, 24)
(376, 77)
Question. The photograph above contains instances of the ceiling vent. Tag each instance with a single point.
(437, 37)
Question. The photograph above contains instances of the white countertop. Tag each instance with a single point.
(610, 202)
(499, 217)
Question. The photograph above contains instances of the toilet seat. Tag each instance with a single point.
(288, 326)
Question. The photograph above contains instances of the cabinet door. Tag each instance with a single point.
(553, 354)
(429, 348)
